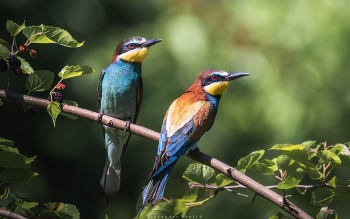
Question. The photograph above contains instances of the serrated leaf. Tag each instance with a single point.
(308, 144)
(200, 173)
(25, 203)
(264, 166)
(4, 192)
(47, 34)
(75, 70)
(39, 81)
(11, 149)
(14, 160)
(5, 43)
(5, 142)
(328, 157)
(4, 52)
(222, 180)
(246, 162)
(292, 181)
(280, 146)
(297, 154)
(25, 66)
(278, 215)
(326, 213)
(54, 109)
(62, 210)
(14, 28)
(283, 161)
(322, 196)
(11, 175)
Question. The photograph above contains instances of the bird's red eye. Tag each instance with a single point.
(214, 77)
(131, 45)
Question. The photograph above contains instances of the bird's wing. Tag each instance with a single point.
(99, 89)
(188, 124)
(99, 96)
(139, 95)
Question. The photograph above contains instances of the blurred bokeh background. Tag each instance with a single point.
(298, 54)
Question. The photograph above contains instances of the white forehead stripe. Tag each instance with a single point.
(222, 73)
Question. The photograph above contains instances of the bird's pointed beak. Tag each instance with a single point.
(234, 76)
(149, 43)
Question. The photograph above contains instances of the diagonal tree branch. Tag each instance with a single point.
(11, 215)
(229, 171)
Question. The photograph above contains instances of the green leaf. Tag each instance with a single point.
(106, 217)
(54, 109)
(48, 34)
(11, 175)
(200, 173)
(328, 156)
(163, 209)
(264, 166)
(39, 81)
(327, 213)
(335, 181)
(308, 144)
(344, 155)
(14, 160)
(283, 161)
(62, 210)
(222, 180)
(25, 203)
(5, 43)
(25, 66)
(5, 142)
(341, 193)
(75, 70)
(4, 192)
(280, 146)
(278, 215)
(194, 194)
(4, 52)
(322, 197)
(246, 162)
(14, 28)
(292, 181)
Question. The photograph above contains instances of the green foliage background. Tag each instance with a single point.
(296, 51)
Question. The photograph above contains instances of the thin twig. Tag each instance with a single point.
(147, 133)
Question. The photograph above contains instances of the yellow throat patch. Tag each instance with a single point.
(217, 89)
(136, 55)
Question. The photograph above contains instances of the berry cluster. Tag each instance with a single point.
(3, 65)
(15, 65)
(56, 97)
(61, 86)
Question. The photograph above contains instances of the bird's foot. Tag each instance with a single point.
(127, 125)
(99, 117)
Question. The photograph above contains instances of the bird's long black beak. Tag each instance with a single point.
(234, 76)
(149, 43)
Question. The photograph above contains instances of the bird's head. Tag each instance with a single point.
(133, 49)
(215, 81)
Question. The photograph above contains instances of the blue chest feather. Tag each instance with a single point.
(119, 86)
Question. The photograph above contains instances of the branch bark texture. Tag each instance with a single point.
(11, 215)
(229, 171)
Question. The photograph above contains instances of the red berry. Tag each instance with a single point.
(61, 86)
(33, 53)
(23, 48)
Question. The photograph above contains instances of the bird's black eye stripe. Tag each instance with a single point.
(127, 48)
(211, 79)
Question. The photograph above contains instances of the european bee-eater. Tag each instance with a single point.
(187, 119)
(119, 95)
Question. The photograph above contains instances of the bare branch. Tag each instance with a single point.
(147, 133)
(11, 215)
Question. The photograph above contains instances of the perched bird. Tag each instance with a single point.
(187, 119)
(119, 95)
